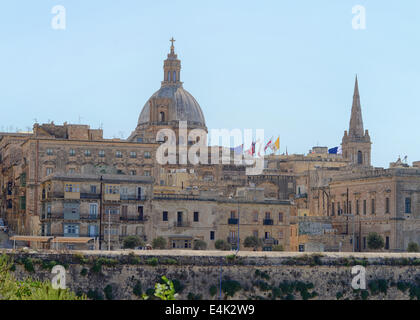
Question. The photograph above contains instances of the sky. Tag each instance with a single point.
(287, 67)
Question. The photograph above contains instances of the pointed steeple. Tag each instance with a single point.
(172, 67)
(356, 121)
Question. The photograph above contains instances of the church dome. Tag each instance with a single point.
(183, 107)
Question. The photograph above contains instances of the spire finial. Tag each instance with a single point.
(356, 87)
(172, 40)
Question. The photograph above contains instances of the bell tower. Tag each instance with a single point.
(356, 144)
(172, 68)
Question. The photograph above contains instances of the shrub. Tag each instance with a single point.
(262, 274)
(108, 292)
(200, 245)
(230, 258)
(84, 272)
(213, 291)
(137, 290)
(278, 247)
(192, 296)
(252, 242)
(165, 290)
(48, 264)
(178, 286)
(132, 242)
(152, 262)
(159, 243)
(413, 247)
(230, 287)
(29, 265)
(222, 245)
(375, 241)
(95, 295)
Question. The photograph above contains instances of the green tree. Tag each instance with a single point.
(375, 241)
(165, 290)
(252, 242)
(159, 243)
(413, 247)
(200, 245)
(222, 245)
(278, 247)
(132, 242)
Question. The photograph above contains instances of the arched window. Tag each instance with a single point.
(174, 77)
(359, 157)
(169, 76)
(162, 116)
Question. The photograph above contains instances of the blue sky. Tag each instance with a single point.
(285, 66)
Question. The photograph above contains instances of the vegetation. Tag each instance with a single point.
(28, 289)
(375, 241)
(108, 292)
(278, 247)
(252, 242)
(165, 290)
(262, 274)
(200, 245)
(230, 287)
(138, 290)
(192, 296)
(159, 243)
(222, 245)
(213, 291)
(152, 262)
(132, 242)
(413, 247)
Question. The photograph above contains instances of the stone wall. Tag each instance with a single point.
(249, 275)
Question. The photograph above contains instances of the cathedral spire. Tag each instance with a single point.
(172, 67)
(356, 121)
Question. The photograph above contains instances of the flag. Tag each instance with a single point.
(333, 150)
(251, 150)
(238, 149)
(276, 145)
(269, 143)
(339, 150)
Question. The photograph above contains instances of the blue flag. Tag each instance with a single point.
(333, 150)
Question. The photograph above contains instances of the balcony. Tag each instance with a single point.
(182, 224)
(268, 222)
(270, 241)
(90, 196)
(132, 197)
(233, 221)
(135, 219)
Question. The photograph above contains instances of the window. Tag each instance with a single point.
(266, 235)
(147, 154)
(112, 210)
(133, 172)
(92, 189)
(255, 233)
(233, 214)
(72, 152)
(133, 154)
(139, 139)
(165, 216)
(147, 173)
(357, 207)
(280, 216)
(111, 189)
(349, 209)
(373, 206)
(332, 209)
(49, 152)
(161, 116)
(364, 242)
(280, 234)
(93, 210)
(118, 154)
(72, 170)
(71, 229)
(87, 153)
(255, 216)
(48, 171)
(387, 243)
(338, 208)
(267, 215)
(196, 214)
(364, 207)
(211, 235)
(72, 187)
(101, 153)
(386, 205)
(174, 77)
(407, 205)
(359, 157)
